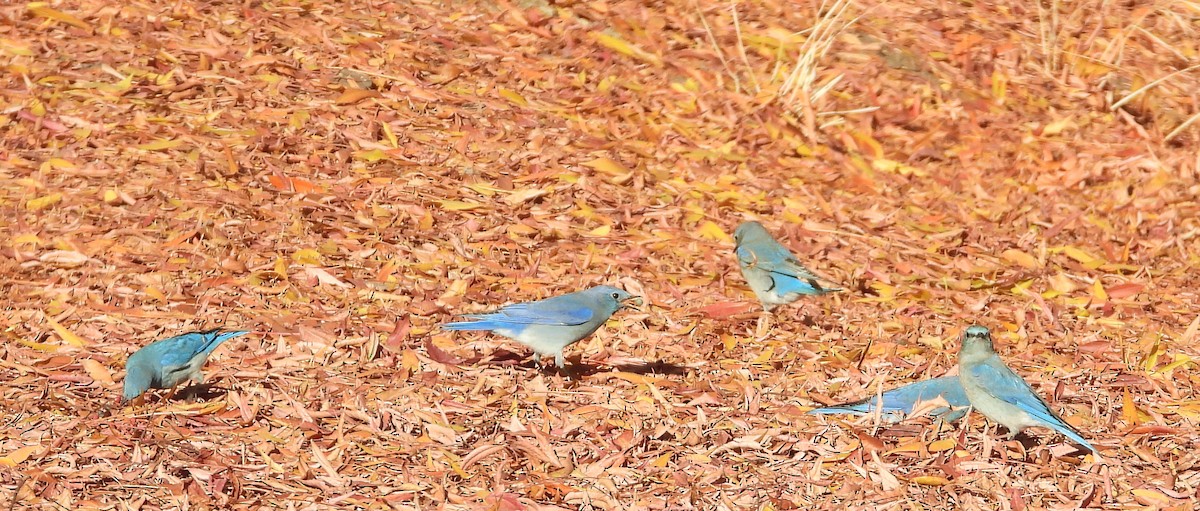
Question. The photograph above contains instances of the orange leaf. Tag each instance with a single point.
(1125, 290)
(399, 334)
(18, 456)
(98, 372)
(1128, 410)
(280, 182)
(351, 96)
(303, 185)
(440, 355)
(722, 310)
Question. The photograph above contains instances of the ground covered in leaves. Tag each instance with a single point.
(341, 177)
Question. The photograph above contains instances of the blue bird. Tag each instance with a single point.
(169, 362)
(774, 274)
(547, 326)
(999, 394)
(900, 402)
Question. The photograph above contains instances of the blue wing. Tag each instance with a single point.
(532, 313)
(178, 351)
(905, 399)
(789, 275)
(1007, 386)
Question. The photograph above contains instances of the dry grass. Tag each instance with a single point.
(342, 177)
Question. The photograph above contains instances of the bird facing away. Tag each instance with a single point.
(774, 274)
(999, 394)
(900, 402)
(547, 326)
(169, 362)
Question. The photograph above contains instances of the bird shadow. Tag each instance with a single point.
(576, 368)
(202, 392)
(1029, 442)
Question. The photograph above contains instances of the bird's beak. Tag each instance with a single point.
(632, 302)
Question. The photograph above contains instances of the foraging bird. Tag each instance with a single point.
(169, 362)
(547, 326)
(999, 394)
(775, 275)
(900, 402)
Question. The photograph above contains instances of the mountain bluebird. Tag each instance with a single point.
(169, 362)
(900, 402)
(547, 326)
(775, 275)
(999, 394)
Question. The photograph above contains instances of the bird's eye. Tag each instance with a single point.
(616, 296)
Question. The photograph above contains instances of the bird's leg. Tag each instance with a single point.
(1012, 433)
(560, 360)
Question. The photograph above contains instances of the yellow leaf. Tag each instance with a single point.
(155, 293)
(944, 444)
(603, 230)
(663, 460)
(607, 166)
(1059, 126)
(307, 256)
(1180, 361)
(1062, 283)
(41, 9)
(371, 156)
(513, 96)
(912, 446)
(713, 232)
(161, 144)
(389, 135)
(18, 48)
(43, 202)
(58, 164)
(1099, 295)
(455, 205)
(409, 361)
(625, 48)
(1021, 259)
(41, 346)
(98, 372)
(111, 198)
(930, 480)
(66, 335)
(520, 196)
(27, 239)
(1152, 498)
(867, 144)
(19, 456)
(1087, 260)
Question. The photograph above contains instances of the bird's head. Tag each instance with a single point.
(747, 229)
(138, 380)
(617, 299)
(977, 341)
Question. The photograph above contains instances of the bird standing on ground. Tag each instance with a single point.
(774, 274)
(999, 394)
(169, 362)
(547, 326)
